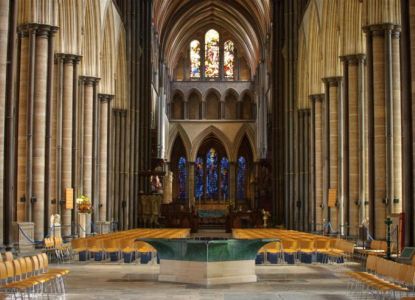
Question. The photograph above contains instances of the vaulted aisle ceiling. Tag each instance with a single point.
(177, 20)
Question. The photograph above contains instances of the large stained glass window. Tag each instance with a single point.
(212, 53)
(199, 178)
(195, 59)
(224, 178)
(241, 178)
(229, 59)
(212, 174)
(182, 178)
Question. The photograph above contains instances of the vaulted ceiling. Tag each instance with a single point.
(177, 20)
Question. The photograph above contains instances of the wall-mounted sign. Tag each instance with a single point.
(69, 198)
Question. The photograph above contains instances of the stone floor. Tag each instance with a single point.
(95, 280)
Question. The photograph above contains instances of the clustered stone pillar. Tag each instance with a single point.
(384, 118)
(67, 84)
(105, 102)
(36, 49)
(317, 150)
(332, 147)
(355, 120)
(89, 93)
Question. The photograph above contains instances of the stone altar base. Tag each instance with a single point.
(207, 261)
(207, 273)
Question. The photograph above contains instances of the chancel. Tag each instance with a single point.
(207, 149)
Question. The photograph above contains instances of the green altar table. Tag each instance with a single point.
(207, 261)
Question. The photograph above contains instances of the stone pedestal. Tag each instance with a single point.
(207, 262)
(102, 227)
(23, 236)
(84, 222)
(168, 188)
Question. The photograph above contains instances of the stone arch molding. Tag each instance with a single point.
(211, 130)
(175, 132)
(248, 131)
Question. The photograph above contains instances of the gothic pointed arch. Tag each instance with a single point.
(210, 131)
(245, 134)
(175, 131)
(178, 165)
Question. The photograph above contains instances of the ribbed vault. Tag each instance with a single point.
(177, 20)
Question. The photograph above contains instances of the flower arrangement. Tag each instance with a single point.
(84, 204)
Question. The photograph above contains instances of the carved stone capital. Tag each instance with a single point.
(68, 58)
(332, 81)
(41, 30)
(316, 97)
(89, 80)
(380, 29)
(105, 97)
(353, 59)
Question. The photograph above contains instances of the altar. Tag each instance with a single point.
(212, 213)
(207, 261)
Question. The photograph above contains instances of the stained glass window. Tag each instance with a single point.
(212, 174)
(224, 178)
(199, 178)
(212, 53)
(241, 178)
(229, 59)
(195, 59)
(182, 178)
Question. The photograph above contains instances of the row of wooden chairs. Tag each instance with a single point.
(383, 278)
(300, 244)
(122, 242)
(56, 248)
(30, 276)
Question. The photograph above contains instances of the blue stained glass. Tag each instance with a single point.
(224, 172)
(199, 178)
(182, 178)
(212, 174)
(241, 178)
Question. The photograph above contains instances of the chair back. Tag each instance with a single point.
(3, 271)
(322, 244)
(17, 268)
(8, 256)
(371, 263)
(45, 260)
(79, 243)
(36, 264)
(9, 269)
(29, 265)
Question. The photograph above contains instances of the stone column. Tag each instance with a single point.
(191, 183)
(203, 109)
(66, 98)
(21, 145)
(333, 147)
(317, 146)
(11, 50)
(222, 108)
(355, 183)
(103, 154)
(4, 29)
(232, 182)
(397, 201)
(88, 138)
(299, 213)
(385, 166)
(34, 96)
(307, 207)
